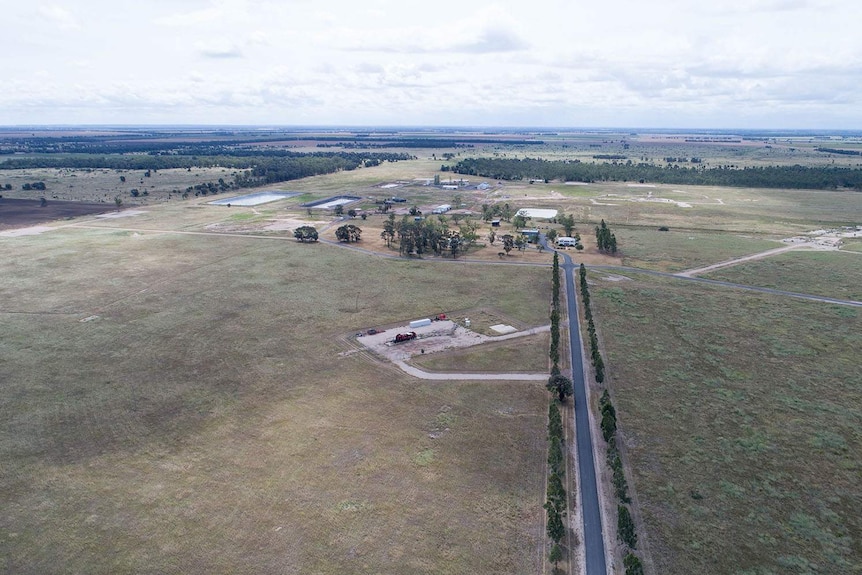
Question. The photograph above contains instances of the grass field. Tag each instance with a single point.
(183, 401)
(524, 354)
(178, 404)
(834, 274)
(94, 185)
(741, 416)
(735, 210)
(677, 250)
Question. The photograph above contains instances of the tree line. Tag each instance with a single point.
(259, 168)
(561, 386)
(792, 177)
(626, 531)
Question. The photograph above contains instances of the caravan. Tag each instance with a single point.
(566, 242)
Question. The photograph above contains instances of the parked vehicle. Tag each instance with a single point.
(402, 337)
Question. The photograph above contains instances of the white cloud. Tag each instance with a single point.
(59, 16)
(484, 62)
(219, 50)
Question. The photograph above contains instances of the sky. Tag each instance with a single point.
(745, 64)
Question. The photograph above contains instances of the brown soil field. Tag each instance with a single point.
(16, 213)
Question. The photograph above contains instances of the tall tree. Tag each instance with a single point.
(305, 234)
(348, 233)
(561, 385)
(388, 233)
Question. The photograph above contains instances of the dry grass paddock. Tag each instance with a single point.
(739, 414)
(177, 403)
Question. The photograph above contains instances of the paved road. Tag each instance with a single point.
(594, 541)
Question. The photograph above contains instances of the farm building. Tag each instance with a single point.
(532, 235)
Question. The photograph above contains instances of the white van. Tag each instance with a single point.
(566, 242)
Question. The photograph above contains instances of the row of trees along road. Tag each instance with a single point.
(626, 532)
(556, 505)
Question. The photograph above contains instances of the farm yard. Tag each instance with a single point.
(188, 391)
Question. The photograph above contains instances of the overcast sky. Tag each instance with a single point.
(576, 63)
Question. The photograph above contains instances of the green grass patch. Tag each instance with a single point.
(852, 245)
(677, 250)
(827, 273)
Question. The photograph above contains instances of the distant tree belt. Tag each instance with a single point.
(265, 168)
(839, 151)
(795, 177)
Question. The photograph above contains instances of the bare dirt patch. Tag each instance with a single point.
(18, 213)
(439, 336)
(432, 338)
(290, 224)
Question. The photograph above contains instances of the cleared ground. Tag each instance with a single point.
(18, 213)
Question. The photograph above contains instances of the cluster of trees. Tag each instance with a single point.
(418, 237)
(348, 233)
(502, 211)
(605, 240)
(511, 242)
(211, 187)
(625, 524)
(793, 177)
(682, 160)
(305, 234)
(556, 504)
(27, 187)
(567, 221)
